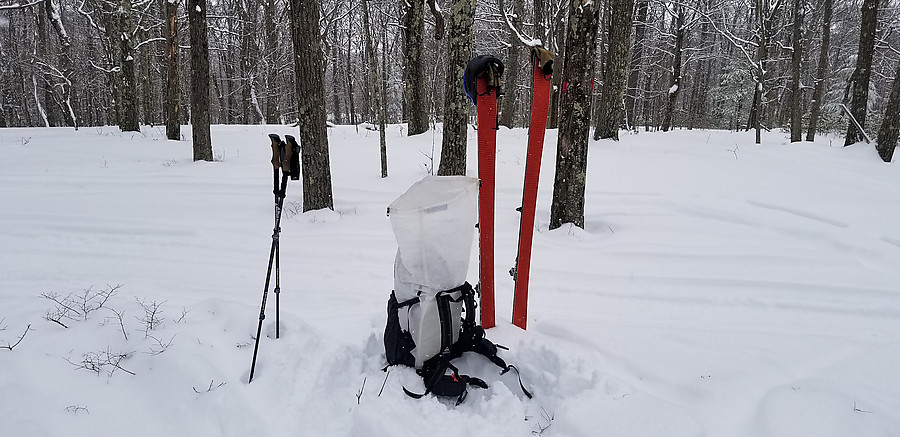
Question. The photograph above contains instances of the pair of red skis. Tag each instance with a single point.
(487, 92)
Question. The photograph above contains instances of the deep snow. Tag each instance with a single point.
(719, 288)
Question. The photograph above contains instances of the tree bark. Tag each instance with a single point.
(378, 98)
(202, 141)
(414, 68)
(129, 120)
(350, 77)
(173, 93)
(247, 62)
(41, 53)
(309, 80)
(859, 80)
(675, 84)
(819, 91)
(456, 106)
(764, 15)
(575, 119)
(637, 60)
(796, 56)
(615, 68)
(890, 126)
(335, 81)
(512, 67)
(270, 58)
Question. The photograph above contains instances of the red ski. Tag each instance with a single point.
(482, 84)
(540, 105)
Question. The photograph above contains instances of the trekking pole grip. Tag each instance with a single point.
(277, 147)
(291, 162)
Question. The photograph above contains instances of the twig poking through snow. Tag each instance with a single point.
(74, 409)
(210, 388)
(22, 337)
(78, 307)
(98, 361)
(153, 318)
(545, 416)
(859, 410)
(160, 347)
(383, 383)
(361, 389)
(119, 316)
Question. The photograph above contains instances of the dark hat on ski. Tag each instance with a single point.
(481, 66)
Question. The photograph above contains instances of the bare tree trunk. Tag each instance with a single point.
(202, 141)
(271, 60)
(859, 80)
(890, 126)
(309, 75)
(675, 84)
(647, 103)
(456, 107)
(615, 68)
(819, 91)
(146, 85)
(574, 131)
(377, 88)
(764, 15)
(247, 62)
(512, 67)
(382, 131)
(414, 68)
(637, 60)
(796, 56)
(129, 120)
(350, 99)
(42, 54)
(173, 93)
(335, 81)
(557, 32)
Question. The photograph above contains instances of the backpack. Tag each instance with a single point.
(430, 316)
(453, 343)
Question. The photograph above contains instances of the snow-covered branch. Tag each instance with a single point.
(19, 6)
(151, 40)
(105, 70)
(89, 17)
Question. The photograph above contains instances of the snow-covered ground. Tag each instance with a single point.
(719, 288)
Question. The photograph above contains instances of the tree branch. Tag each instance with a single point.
(22, 337)
(15, 6)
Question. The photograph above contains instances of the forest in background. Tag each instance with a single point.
(79, 62)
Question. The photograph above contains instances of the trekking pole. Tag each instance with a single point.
(285, 158)
(290, 165)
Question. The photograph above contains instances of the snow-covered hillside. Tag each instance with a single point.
(719, 288)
